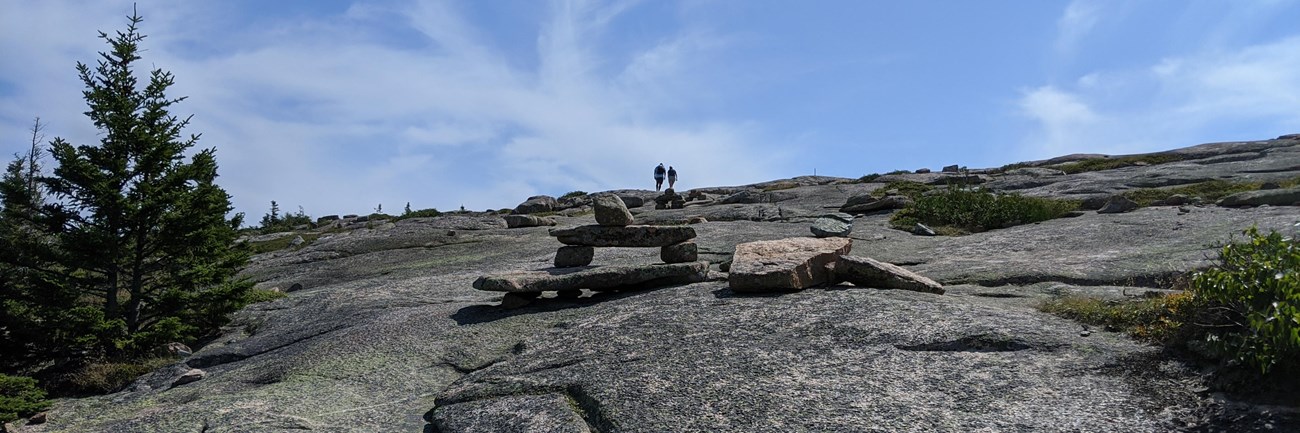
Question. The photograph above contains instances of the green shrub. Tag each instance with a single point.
(1159, 319)
(1256, 292)
(1209, 191)
(572, 194)
(1098, 164)
(20, 398)
(869, 178)
(977, 210)
(422, 213)
(282, 243)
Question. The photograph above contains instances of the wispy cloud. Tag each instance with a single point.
(327, 113)
(1075, 23)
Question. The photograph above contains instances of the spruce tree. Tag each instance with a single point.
(136, 225)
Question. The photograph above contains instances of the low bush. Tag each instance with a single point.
(977, 210)
(572, 194)
(1159, 319)
(903, 187)
(1256, 293)
(1098, 164)
(106, 377)
(254, 296)
(422, 213)
(1209, 191)
(20, 398)
(869, 178)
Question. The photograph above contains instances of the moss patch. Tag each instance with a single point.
(1099, 164)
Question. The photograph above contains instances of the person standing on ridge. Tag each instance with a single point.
(672, 177)
(659, 176)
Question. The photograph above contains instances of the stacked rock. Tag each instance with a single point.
(614, 228)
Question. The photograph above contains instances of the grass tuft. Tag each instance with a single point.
(1098, 164)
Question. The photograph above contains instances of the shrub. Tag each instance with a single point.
(1256, 292)
(1098, 164)
(869, 178)
(1209, 191)
(422, 213)
(977, 210)
(20, 398)
(106, 377)
(903, 187)
(572, 194)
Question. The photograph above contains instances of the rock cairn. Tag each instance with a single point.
(670, 200)
(614, 228)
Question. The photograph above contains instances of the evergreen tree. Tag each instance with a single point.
(133, 224)
(271, 219)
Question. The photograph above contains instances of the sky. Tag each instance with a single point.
(341, 107)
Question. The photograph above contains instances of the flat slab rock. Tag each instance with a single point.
(594, 277)
(868, 272)
(628, 236)
(785, 264)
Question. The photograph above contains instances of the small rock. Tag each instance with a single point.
(922, 170)
(923, 230)
(828, 227)
(519, 221)
(452, 233)
(295, 287)
(178, 350)
(1269, 185)
(569, 256)
(679, 253)
(697, 220)
(39, 418)
(297, 241)
(1085, 333)
(610, 211)
(1118, 204)
(885, 203)
(867, 272)
(1183, 210)
(193, 375)
(1173, 200)
(512, 301)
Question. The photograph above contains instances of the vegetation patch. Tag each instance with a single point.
(574, 194)
(1098, 164)
(262, 295)
(20, 398)
(422, 213)
(282, 243)
(1244, 313)
(106, 377)
(1209, 191)
(908, 188)
(954, 211)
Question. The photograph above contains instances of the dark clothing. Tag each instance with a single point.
(659, 173)
(672, 175)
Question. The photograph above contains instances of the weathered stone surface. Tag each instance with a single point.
(597, 278)
(521, 221)
(632, 201)
(1035, 172)
(569, 256)
(610, 211)
(571, 202)
(784, 264)
(1272, 197)
(537, 203)
(831, 226)
(884, 203)
(868, 272)
(628, 236)
(1118, 204)
(679, 253)
(528, 413)
(751, 197)
(951, 168)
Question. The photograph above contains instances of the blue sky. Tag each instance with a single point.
(340, 106)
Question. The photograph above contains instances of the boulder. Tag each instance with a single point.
(627, 236)
(193, 375)
(951, 168)
(784, 264)
(327, 218)
(679, 253)
(569, 256)
(922, 171)
(610, 211)
(1173, 200)
(599, 278)
(518, 221)
(885, 203)
(297, 241)
(831, 226)
(1118, 204)
(572, 202)
(867, 272)
(632, 201)
(511, 301)
(1272, 197)
(537, 203)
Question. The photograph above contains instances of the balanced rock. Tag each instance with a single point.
(834, 225)
(537, 203)
(597, 278)
(1118, 204)
(1272, 197)
(518, 221)
(679, 253)
(610, 211)
(785, 264)
(669, 200)
(627, 236)
(884, 203)
(867, 272)
(569, 256)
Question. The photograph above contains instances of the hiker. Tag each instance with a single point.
(659, 176)
(672, 177)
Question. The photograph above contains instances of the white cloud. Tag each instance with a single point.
(1170, 103)
(320, 113)
(1079, 18)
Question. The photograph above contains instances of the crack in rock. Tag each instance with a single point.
(971, 343)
